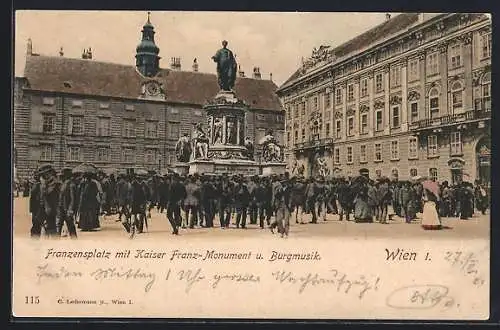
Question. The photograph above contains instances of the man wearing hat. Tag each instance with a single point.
(176, 194)
(67, 204)
(50, 189)
(35, 206)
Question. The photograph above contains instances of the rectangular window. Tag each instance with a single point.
(151, 129)
(394, 150)
(364, 123)
(48, 101)
(486, 96)
(129, 107)
(288, 138)
(336, 155)
(350, 92)
(128, 128)
(296, 111)
(362, 153)
(379, 121)
(328, 101)
(414, 111)
(455, 56)
(104, 106)
(456, 101)
(433, 173)
(413, 70)
(455, 144)
(303, 134)
(49, 123)
(288, 113)
(395, 77)
(379, 82)
(150, 156)
(74, 153)
(486, 46)
(350, 126)
(315, 103)
(103, 154)
(338, 129)
(395, 117)
(413, 172)
(261, 117)
(198, 113)
(77, 103)
(349, 155)
(296, 136)
(433, 64)
(338, 95)
(434, 107)
(412, 147)
(327, 128)
(174, 110)
(174, 130)
(378, 152)
(128, 155)
(364, 87)
(303, 110)
(103, 126)
(75, 125)
(432, 146)
(46, 152)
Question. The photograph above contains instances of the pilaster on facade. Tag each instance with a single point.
(444, 109)
(404, 96)
(386, 120)
(371, 112)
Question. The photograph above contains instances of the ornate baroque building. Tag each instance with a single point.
(68, 111)
(411, 96)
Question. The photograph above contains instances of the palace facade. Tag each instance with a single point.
(68, 111)
(412, 96)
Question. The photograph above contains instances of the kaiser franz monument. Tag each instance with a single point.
(224, 147)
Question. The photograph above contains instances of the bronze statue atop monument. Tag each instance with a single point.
(226, 67)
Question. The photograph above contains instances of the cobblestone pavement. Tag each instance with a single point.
(477, 227)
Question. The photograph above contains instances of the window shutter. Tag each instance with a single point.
(70, 125)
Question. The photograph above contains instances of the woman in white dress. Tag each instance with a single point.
(430, 216)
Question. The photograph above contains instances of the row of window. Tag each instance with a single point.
(432, 68)
(275, 118)
(103, 154)
(432, 149)
(432, 172)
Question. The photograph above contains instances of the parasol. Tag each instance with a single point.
(432, 186)
(85, 168)
(109, 171)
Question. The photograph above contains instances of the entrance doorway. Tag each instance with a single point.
(483, 152)
(456, 168)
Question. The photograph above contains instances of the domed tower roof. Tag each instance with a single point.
(147, 44)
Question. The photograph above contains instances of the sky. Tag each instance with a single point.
(274, 42)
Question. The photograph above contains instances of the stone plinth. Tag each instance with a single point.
(181, 168)
(201, 166)
(273, 168)
(224, 166)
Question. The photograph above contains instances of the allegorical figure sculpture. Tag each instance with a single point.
(322, 167)
(217, 130)
(226, 67)
(271, 150)
(230, 132)
(249, 148)
(183, 149)
(199, 142)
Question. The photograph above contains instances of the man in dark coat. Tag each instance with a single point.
(263, 196)
(253, 209)
(224, 191)
(35, 207)
(67, 204)
(208, 197)
(50, 190)
(192, 201)
(345, 199)
(176, 194)
(241, 202)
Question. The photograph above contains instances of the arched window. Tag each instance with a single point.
(434, 103)
(486, 91)
(456, 97)
(413, 172)
(433, 173)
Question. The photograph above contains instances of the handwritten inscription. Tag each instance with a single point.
(466, 263)
(421, 297)
(341, 282)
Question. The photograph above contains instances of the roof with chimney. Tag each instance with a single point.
(383, 31)
(94, 78)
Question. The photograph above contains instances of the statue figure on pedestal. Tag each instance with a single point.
(271, 150)
(199, 141)
(231, 132)
(183, 149)
(217, 130)
(226, 67)
(249, 148)
(322, 167)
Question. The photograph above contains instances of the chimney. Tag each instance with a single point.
(84, 54)
(29, 48)
(61, 52)
(241, 74)
(89, 53)
(256, 73)
(195, 65)
(175, 63)
(271, 76)
(387, 16)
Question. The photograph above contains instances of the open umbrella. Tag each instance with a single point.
(85, 168)
(432, 186)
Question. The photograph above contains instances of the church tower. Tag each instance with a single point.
(147, 60)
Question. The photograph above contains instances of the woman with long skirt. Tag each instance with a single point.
(430, 216)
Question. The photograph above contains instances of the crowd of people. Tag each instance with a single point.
(77, 199)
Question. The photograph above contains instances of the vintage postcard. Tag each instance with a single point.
(252, 165)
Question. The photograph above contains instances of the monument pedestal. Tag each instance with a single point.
(273, 168)
(201, 166)
(181, 168)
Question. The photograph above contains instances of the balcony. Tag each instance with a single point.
(448, 120)
(315, 143)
